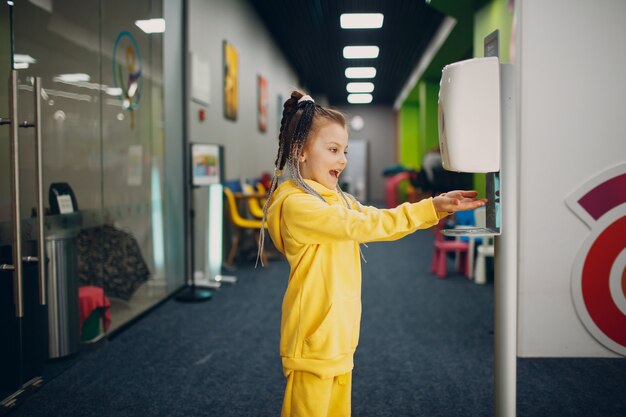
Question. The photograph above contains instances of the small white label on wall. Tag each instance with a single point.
(65, 204)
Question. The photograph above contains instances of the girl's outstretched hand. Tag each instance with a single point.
(458, 200)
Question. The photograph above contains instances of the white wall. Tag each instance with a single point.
(379, 132)
(248, 151)
(571, 58)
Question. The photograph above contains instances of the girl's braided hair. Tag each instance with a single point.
(301, 118)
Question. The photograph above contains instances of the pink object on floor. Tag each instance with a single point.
(442, 247)
(91, 298)
(391, 189)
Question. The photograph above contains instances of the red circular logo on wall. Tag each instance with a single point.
(599, 273)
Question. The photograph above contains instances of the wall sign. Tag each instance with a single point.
(599, 272)
(200, 80)
(206, 164)
(127, 72)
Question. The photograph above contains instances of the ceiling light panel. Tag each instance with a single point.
(361, 20)
(72, 78)
(360, 87)
(360, 72)
(24, 58)
(151, 25)
(359, 98)
(355, 52)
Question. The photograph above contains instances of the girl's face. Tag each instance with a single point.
(324, 155)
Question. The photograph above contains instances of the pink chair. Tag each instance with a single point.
(442, 247)
(391, 188)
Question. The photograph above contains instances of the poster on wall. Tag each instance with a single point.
(263, 99)
(200, 80)
(231, 81)
(206, 164)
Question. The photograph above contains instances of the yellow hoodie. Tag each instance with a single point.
(321, 312)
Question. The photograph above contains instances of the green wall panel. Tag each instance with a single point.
(428, 124)
(495, 15)
(409, 136)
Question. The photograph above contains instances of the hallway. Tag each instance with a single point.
(425, 350)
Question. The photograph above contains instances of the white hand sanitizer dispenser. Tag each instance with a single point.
(469, 115)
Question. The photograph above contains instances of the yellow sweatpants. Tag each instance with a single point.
(308, 395)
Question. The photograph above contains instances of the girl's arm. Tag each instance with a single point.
(310, 220)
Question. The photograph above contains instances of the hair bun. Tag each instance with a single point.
(291, 104)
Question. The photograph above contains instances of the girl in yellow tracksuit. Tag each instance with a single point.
(319, 228)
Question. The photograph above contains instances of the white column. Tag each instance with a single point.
(505, 286)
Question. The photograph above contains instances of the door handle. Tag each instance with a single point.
(18, 297)
(41, 249)
(18, 289)
(41, 270)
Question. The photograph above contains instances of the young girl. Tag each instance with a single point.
(319, 227)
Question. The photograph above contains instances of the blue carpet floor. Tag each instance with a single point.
(426, 350)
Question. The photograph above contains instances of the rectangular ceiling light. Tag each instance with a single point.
(114, 91)
(360, 72)
(71, 78)
(24, 58)
(151, 25)
(354, 52)
(359, 98)
(360, 87)
(361, 20)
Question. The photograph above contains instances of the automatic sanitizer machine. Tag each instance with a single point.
(469, 115)
(471, 110)
(477, 134)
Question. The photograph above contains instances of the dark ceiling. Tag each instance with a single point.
(308, 33)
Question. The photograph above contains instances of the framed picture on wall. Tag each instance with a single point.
(231, 81)
(263, 102)
(206, 164)
(200, 80)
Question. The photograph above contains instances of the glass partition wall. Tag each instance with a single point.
(132, 158)
(97, 80)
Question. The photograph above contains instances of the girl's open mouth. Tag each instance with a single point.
(335, 173)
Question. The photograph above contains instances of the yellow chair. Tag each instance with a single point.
(241, 224)
(261, 190)
(253, 203)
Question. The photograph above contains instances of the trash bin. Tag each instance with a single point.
(63, 321)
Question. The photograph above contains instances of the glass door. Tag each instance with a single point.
(23, 299)
(81, 178)
(132, 156)
(59, 43)
(50, 182)
(10, 353)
